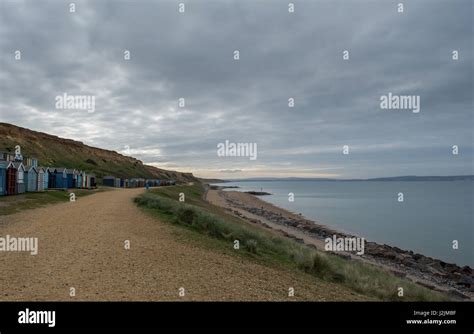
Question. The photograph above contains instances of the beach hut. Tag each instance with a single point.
(11, 179)
(86, 180)
(79, 181)
(93, 181)
(150, 183)
(60, 178)
(117, 182)
(51, 177)
(20, 187)
(71, 175)
(40, 180)
(134, 183)
(31, 178)
(86, 183)
(89, 180)
(47, 173)
(5, 166)
(108, 181)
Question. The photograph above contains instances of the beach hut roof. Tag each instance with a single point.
(30, 167)
(60, 170)
(109, 177)
(70, 171)
(5, 164)
(18, 165)
(40, 169)
(46, 169)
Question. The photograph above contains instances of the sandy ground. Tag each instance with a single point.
(81, 245)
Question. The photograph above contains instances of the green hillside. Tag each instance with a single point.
(59, 152)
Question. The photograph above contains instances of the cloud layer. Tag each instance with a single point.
(282, 55)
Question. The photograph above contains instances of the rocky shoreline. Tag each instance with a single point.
(435, 274)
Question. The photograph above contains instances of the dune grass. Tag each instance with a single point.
(206, 219)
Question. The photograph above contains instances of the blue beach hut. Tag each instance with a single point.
(60, 178)
(71, 178)
(31, 179)
(79, 179)
(4, 166)
(45, 179)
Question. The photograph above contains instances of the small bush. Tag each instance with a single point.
(320, 264)
(212, 226)
(251, 246)
(303, 260)
(153, 202)
(186, 215)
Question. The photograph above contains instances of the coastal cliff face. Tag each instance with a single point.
(60, 152)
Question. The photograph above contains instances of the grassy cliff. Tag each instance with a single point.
(59, 152)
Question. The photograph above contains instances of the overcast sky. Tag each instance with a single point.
(282, 55)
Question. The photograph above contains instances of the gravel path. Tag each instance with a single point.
(81, 245)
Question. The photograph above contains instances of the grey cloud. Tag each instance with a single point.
(190, 55)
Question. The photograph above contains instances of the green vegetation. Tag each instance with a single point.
(17, 203)
(70, 155)
(59, 152)
(199, 216)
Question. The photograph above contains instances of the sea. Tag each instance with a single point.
(434, 218)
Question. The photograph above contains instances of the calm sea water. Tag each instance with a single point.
(432, 215)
